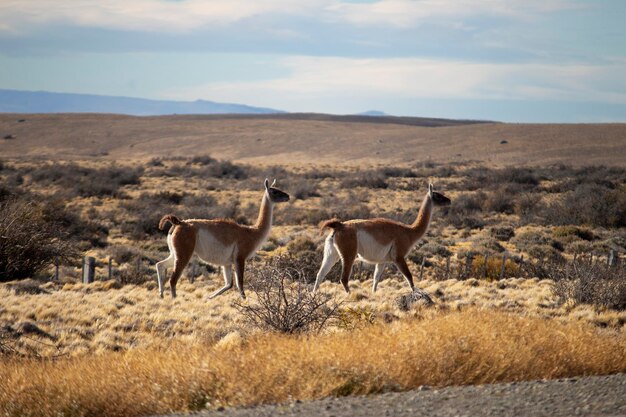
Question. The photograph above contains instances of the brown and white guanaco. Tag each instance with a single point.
(376, 241)
(219, 242)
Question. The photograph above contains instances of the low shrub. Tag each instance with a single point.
(499, 201)
(525, 176)
(301, 244)
(167, 197)
(490, 267)
(430, 249)
(468, 203)
(367, 179)
(202, 167)
(30, 241)
(136, 271)
(544, 253)
(528, 207)
(320, 174)
(525, 240)
(284, 301)
(303, 216)
(302, 189)
(579, 247)
(586, 283)
(87, 229)
(469, 221)
(397, 172)
(502, 233)
(202, 160)
(486, 245)
(464, 211)
(82, 181)
(589, 204)
(123, 254)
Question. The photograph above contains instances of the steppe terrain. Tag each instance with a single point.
(526, 268)
(310, 139)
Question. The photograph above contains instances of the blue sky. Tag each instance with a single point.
(508, 60)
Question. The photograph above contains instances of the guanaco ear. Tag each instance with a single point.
(430, 189)
(273, 183)
(267, 183)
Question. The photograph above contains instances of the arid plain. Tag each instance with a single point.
(311, 139)
(529, 202)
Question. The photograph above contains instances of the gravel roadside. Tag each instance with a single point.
(584, 396)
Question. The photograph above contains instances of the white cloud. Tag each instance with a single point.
(406, 13)
(18, 16)
(140, 15)
(361, 83)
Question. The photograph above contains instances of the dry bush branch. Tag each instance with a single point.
(29, 240)
(284, 301)
(586, 283)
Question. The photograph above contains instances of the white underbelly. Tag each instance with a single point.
(212, 251)
(370, 251)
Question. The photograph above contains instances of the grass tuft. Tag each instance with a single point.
(468, 347)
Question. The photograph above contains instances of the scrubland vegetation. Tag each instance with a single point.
(553, 307)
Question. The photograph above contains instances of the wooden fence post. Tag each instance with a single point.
(611, 258)
(486, 266)
(56, 269)
(503, 266)
(89, 269)
(194, 265)
(468, 266)
(139, 265)
(110, 274)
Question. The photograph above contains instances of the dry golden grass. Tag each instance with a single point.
(96, 318)
(469, 347)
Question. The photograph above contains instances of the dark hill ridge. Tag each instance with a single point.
(14, 101)
(349, 118)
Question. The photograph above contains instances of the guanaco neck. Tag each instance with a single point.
(420, 225)
(264, 221)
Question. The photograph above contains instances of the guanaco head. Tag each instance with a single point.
(438, 198)
(275, 195)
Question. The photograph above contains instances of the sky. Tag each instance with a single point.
(506, 60)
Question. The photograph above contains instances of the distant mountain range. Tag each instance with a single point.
(372, 113)
(15, 101)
